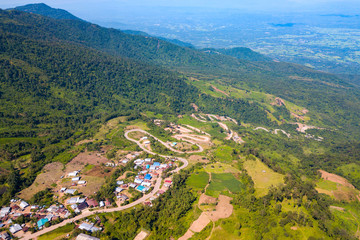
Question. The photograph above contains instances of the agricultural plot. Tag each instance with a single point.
(221, 168)
(49, 176)
(262, 176)
(224, 154)
(223, 182)
(337, 187)
(198, 181)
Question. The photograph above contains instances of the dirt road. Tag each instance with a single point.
(163, 143)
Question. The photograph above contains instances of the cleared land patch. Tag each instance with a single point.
(223, 182)
(262, 176)
(337, 187)
(198, 180)
(221, 168)
(50, 175)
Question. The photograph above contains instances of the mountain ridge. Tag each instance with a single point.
(45, 10)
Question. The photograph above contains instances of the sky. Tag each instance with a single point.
(92, 9)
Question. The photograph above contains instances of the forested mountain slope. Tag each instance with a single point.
(54, 92)
(331, 100)
(240, 53)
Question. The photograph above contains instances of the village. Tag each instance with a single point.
(145, 175)
(20, 217)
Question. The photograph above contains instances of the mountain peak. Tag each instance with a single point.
(45, 10)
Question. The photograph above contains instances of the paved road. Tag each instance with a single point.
(87, 213)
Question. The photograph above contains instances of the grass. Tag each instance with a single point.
(50, 175)
(264, 99)
(212, 128)
(223, 182)
(326, 185)
(20, 139)
(204, 234)
(88, 167)
(67, 156)
(351, 171)
(107, 127)
(59, 232)
(198, 180)
(224, 154)
(262, 176)
(220, 168)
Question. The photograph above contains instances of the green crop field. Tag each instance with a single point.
(198, 180)
(223, 182)
(224, 153)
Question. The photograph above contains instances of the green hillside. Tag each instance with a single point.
(240, 53)
(332, 101)
(64, 81)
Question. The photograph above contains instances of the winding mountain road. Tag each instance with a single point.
(87, 212)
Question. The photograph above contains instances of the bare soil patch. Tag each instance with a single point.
(223, 209)
(297, 116)
(205, 199)
(100, 171)
(141, 236)
(200, 223)
(335, 178)
(187, 235)
(51, 173)
(124, 175)
(84, 141)
(220, 91)
(197, 158)
(136, 135)
(303, 127)
(196, 108)
(93, 158)
(337, 208)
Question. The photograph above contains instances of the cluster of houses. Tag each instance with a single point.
(148, 172)
(18, 208)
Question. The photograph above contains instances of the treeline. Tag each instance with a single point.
(163, 219)
(312, 209)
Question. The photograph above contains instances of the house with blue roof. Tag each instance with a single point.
(141, 188)
(147, 177)
(42, 222)
(156, 164)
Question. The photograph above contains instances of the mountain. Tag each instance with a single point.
(240, 53)
(331, 101)
(174, 41)
(45, 10)
(65, 81)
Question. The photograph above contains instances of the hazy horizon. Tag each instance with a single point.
(106, 10)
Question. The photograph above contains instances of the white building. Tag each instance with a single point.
(15, 228)
(73, 174)
(23, 204)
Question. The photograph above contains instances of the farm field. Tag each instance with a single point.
(198, 180)
(223, 182)
(262, 176)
